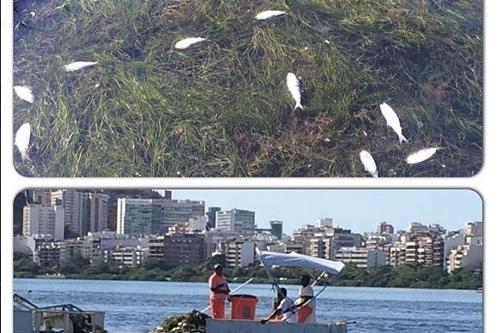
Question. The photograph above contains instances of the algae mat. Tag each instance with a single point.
(222, 107)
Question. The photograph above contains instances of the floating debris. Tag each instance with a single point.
(22, 140)
(421, 155)
(24, 93)
(327, 41)
(369, 163)
(293, 84)
(78, 65)
(187, 42)
(392, 121)
(268, 14)
(191, 322)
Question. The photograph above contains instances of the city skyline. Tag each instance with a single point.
(450, 208)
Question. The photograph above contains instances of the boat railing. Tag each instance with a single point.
(23, 304)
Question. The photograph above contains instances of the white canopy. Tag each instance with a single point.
(300, 260)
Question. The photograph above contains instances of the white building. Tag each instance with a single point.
(240, 253)
(452, 242)
(38, 219)
(465, 256)
(362, 257)
(132, 256)
(236, 220)
(325, 222)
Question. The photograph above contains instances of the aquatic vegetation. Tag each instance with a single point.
(190, 322)
(223, 108)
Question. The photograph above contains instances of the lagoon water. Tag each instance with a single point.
(138, 306)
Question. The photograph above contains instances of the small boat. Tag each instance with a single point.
(64, 318)
(242, 319)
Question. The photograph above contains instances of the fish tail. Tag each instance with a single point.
(402, 138)
(298, 106)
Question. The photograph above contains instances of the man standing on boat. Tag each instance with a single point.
(306, 302)
(219, 291)
(286, 310)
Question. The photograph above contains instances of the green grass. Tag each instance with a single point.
(222, 108)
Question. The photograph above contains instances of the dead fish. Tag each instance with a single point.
(187, 42)
(78, 65)
(392, 121)
(421, 155)
(22, 140)
(369, 163)
(24, 93)
(268, 14)
(293, 84)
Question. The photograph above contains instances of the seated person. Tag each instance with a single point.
(286, 309)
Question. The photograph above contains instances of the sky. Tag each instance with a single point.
(359, 210)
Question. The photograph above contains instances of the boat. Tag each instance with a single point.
(242, 315)
(63, 318)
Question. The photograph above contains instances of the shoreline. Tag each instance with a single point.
(480, 290)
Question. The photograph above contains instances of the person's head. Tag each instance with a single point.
(218, 269)
(305, 280)
(283, 292)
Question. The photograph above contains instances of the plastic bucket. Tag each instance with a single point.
(243, 306)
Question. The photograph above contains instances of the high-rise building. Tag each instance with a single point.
(134, 216)
(98, 211)
(43, 220)
(72, 202)
(212, 214)
(40, 196)
(385, 228)
(154, 216)
(324, 222)
(236, 220)
(276, 229)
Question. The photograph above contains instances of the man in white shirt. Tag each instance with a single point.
(286, 310)
(306, 303)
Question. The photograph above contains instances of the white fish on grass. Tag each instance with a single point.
(187, 42)
(24, 93)
(392, 121)
(293, 84)
(78, 65)
(268, 14)
(421, 155)
(22, 140)
(369, 163)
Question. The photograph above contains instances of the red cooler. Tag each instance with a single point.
(243, 307)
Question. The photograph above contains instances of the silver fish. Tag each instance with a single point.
(392, 121)
(268, 14)
(22, 140)
(421, 155)
(187, 42)
(293, 84)
(78, 65)
(369, 163)
(24, 93)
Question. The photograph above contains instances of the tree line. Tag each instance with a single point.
(402, 276)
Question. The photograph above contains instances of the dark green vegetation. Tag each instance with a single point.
(190, 322)
(221, 108)
(404, 276)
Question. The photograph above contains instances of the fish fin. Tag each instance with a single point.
(402, 139)
(25, 157)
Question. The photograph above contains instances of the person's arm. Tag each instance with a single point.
(275, 313)
(303, 300)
